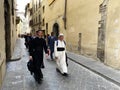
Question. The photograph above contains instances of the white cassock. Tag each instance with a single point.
(60, 52)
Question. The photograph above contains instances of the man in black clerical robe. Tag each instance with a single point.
(37, 46)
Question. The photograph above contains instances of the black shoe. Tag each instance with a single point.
(65, 74)
(42, 66)
(41, 77)
(57, 70)
(31, 73)
(39, 81)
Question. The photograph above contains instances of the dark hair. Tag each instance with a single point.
(52, 33)
(48, 34)
(39, 31)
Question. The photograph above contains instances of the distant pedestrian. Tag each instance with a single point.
(37, 46)
(28, 38)
(51, 41)
(47, 38)
(60, 55)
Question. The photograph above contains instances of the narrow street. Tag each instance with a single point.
(18, 77)
(85, 33)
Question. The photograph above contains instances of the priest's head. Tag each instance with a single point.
(40, 33)
(61, 36)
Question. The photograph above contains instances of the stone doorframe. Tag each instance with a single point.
(102, 30)
(7, 29)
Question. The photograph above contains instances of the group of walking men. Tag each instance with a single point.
(54, 45)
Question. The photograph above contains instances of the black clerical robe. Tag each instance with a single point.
(37, 46)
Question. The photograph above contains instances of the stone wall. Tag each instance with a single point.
(82, 26)
(112, 49)
(2, 41)
(7, 34)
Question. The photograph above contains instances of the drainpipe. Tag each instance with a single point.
(65, 15)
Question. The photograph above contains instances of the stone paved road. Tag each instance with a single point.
(19, 78)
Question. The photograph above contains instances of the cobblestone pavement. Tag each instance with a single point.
(18, 77)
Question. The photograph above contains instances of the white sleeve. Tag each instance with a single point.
(55, 49)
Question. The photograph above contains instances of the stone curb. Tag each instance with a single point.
(109, 77)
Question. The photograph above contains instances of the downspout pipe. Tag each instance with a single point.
(65, 15)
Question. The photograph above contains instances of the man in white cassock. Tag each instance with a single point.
(60, 55)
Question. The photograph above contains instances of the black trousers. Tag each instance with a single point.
(38, 63)
(38, 74)
(51, 54)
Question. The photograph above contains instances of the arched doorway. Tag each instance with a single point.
(56, 29)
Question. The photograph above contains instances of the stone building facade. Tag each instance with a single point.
(8, 33)
(90, 30)
(28, 16)
(10, 26)
(19, 25)
(36, 15)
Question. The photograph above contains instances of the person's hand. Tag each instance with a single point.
(30, 58)
(48, 51)
(46, 55)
